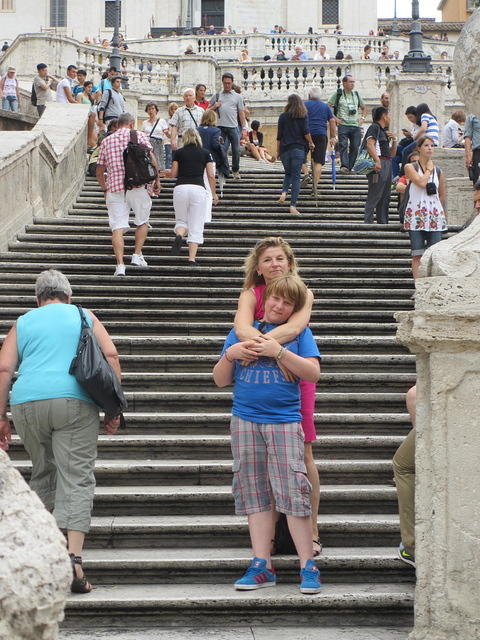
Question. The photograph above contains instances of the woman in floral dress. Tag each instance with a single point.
(425, 212)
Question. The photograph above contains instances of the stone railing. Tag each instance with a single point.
(164, 76)
(42, 170)
(275, 80)
(259, 45)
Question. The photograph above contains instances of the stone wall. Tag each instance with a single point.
(42, 170)
(35, 568)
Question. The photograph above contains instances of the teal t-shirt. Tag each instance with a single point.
(47, 340)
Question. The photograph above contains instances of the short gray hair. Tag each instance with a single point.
(52, 284)
(125, 119)
(315, 93)
(188, 90)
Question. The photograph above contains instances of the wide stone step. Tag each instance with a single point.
(340, 382)
(216, 423)
(404, 363)
(165, 604)
(159, 245)
(174, 499)
(156, 328)
(214, 566)
(220, 241)
(207, 321)
(105, 267)
(129, 345)
(201, 447)
(154, 529)
(249, 231)
(212, 401)
(157, 260)
(188, 473)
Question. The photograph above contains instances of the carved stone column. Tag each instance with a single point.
(444, 332)
(35, 571)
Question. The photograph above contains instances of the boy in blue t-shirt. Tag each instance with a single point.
(266, 434)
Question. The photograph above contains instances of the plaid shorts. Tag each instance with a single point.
(269, 464)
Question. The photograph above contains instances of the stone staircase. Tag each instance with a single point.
(165, 546)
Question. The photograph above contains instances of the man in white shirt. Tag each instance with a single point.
(65, 86)
(187, 117)
(322, 53)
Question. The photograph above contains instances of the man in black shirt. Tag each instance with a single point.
(381, 144)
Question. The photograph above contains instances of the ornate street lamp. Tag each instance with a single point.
(416, 60)
(115, 58)
(395, 29)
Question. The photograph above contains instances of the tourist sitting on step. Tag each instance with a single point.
(425, 218)
(404, 471)
(381, 144)
(189, 194)
(266, 432)
(254, 144)
(119, 199)
(55, 418)
(269, 258)
(293, 141)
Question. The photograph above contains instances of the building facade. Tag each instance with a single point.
(456, 10)
(72, 17)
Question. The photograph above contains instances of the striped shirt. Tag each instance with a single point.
(432, 131)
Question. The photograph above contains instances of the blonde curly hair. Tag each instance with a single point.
(252, 278)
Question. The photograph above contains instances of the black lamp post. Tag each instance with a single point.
(416, 60)
(115, 58)
(395, 29)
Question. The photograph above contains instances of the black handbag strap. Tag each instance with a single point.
(191, 115)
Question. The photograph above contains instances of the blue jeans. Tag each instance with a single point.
(421, 240)
(348, 134)
(292, 161)
(168, 156)
(231, 136)
(10, 103)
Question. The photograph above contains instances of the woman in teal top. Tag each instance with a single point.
(57, 421)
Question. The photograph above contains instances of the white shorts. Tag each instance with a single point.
(190, 204)
(120, 203)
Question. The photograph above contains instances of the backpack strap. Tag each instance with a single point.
(337, 100)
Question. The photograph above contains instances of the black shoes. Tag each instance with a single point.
(177, 245)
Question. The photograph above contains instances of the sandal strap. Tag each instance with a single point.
(75, 559)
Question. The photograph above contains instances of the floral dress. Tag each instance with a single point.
(424, 212)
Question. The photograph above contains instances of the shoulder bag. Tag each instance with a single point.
(94, 374)
(364, 163)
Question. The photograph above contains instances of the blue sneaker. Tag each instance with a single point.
(256, 576)
(310, 576)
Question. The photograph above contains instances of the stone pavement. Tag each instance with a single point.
(241, 633)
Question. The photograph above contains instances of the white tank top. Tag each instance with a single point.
(10, 86)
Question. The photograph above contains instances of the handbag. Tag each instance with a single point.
(94, 374)
(364, 163)
(283, 539)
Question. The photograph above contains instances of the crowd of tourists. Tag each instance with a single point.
(270, 356)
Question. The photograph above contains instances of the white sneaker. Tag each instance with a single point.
(138, 260)
(120, 270)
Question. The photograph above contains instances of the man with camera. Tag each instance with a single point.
(349, 111)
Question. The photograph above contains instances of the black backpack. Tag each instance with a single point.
(139, 169)
(33, 97)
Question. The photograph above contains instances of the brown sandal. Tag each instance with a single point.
(79, 585)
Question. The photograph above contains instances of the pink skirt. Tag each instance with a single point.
(307, 408)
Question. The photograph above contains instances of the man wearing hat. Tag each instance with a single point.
(9, 90)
